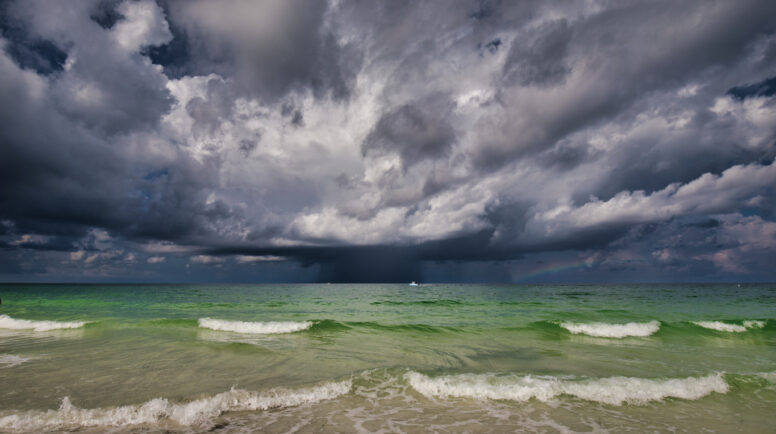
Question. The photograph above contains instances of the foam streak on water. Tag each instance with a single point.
(158, 410)
(726, 327)
(9, 360)
(606, 330)
(270, 327)
(6, 322)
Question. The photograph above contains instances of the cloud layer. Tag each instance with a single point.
(362, 141)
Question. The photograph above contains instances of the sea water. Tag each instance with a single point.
(388, 358)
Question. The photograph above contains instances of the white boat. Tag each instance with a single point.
(413, 283)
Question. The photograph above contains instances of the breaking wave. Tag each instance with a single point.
(727, 327)
(607, 330)
(611, 390)
(6, 322)
(160, 410)
(271, 327)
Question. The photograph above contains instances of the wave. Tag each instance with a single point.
(728, 327)
(211, 305)
(420, 303)
(607, 330)
(9, 360)
(6, 322)
(311, 326)
(159, 410)
(271, 327)
(401, 328)
(611, 390)
(171, 322)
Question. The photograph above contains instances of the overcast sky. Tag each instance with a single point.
(456, 141)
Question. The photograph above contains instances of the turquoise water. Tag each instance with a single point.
(346, 358)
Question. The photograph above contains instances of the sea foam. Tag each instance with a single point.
(159, 410)
(611, 390)
(6, 322)
(9, 360)
(270, 327)
(606, 330)
(726, 327)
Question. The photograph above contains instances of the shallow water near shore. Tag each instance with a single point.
(444, 358)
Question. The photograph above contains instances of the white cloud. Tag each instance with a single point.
(246, 259)
(143, 24)
(156, 259)
(165, 247)
(206, 259)
(77, 256)
(30, 239)
(707, 194)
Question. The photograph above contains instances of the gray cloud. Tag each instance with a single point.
(416, 131)
(270, 47)
(541, 60)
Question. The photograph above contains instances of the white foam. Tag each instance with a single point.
(270, 327)
(770, 376)
(611, 390)
(9, 360)
(754, 324)
(607, 330)
(6, 322)
(159, 410)
(726, 327)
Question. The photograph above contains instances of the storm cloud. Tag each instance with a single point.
(365, 141)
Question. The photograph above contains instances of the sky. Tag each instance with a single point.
(578, 141)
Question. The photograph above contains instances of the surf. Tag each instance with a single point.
(728, 327)
(610, 330)
(610, 390)
(160, 410)
(263, 328)
(6, 322)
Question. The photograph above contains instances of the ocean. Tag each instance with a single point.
(388, 358)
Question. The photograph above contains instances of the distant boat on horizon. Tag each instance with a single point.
(413, 283)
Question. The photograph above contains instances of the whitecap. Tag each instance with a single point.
(611, 390)
(270, 327)
(754, 324)
(159, 410)
(727, 327)
(607, 330)
(6, 322)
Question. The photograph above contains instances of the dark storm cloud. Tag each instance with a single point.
(60, 176)
(540, 61)
(566, 155)
(415, 131)
(374, 141)
(620, 67)
(105, 13)
(28, 50)
(102, 88)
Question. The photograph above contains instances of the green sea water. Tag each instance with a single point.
(389, 358)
